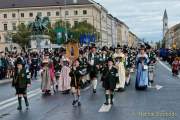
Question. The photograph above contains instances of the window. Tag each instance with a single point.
(30, 14)
(5, 15)
(75, 23)
(5, 27)
(14, 26)
(85, 21)
(48, 13)
(57, 13)
(22, 14)
(39, 13)
(75, 12)
(66, 12)
(84, 12)
(13, 15)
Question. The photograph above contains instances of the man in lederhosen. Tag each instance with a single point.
(21, 81)
(110, 79)
(93, 59)
(76, 76)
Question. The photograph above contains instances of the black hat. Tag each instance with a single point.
(19, 61)
(142, 47)
(110, 59)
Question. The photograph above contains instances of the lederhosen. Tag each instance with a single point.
(110, 78)
(20, 81)
(75, 78)
(92, 68)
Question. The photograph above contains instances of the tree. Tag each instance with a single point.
(22, 35)
(51, 33)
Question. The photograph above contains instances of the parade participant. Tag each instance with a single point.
(151, 67)
(127, 67)
(34, 66)
(93, 67)
(175, 67)
(76, 75)
(57, 67)
(65, 79)
(45, 75)
(83, 62)
(103, 58)
(142, 70)
(109, 78)
(119, 63)
(21, 81)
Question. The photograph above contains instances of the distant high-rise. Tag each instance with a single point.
(165, 23)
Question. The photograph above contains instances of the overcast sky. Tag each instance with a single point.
(144, 17)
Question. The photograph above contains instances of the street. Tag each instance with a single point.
(159, 102)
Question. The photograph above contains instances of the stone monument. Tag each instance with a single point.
(38, 40)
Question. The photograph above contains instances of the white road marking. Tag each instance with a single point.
(168, 68)
(105, 108)
(13, 100)
(158, 87)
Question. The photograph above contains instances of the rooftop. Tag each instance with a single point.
(39, 3)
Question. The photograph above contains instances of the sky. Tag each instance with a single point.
(144, 17)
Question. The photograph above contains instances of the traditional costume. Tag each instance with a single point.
(142, 71)
(20, 81)
(93, 59)
(46, 76)
(175, 67)
(119, 62)
(65, 79)
(110, 78)
(76, 76)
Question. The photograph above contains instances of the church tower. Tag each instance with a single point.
(165, 23)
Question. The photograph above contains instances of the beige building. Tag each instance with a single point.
(172, 37)
(112, 31)
(132, 40)
(122, 33)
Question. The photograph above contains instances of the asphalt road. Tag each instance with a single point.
(160, 102)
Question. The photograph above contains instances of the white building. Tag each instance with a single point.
(15, 12)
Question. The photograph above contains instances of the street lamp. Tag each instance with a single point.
(66, 34)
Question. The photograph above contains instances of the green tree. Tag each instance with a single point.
(51, 33)
(22, 35)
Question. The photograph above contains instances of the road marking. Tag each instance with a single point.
(14, 102)
(168, 68)
(158, 87)
(8, 101)
(105, 108)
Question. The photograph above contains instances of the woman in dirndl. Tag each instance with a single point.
(65, 79)
(142, 70)
(46, 76)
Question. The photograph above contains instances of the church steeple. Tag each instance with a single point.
(165, 23)
(165, 15)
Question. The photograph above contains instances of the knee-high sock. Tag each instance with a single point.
(112, 95)
(79, 98)
(26, 101)
(74, 95)
(19, 102)
(107, 98)
(94, 83)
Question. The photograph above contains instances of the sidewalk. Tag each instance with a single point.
(5, 81)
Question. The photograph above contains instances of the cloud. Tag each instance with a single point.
(144, 17)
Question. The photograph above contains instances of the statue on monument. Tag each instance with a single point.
(38, 39)
(39, 25)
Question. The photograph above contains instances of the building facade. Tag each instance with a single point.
(112, 31)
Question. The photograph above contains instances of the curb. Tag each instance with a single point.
(5, 81)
